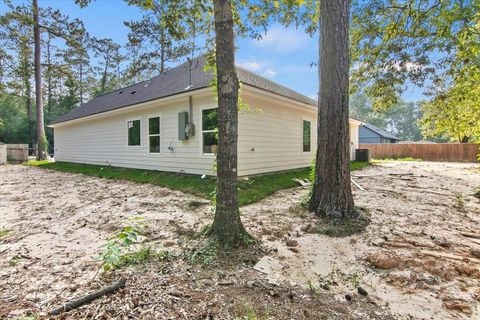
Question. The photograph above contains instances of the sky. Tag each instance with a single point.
(284, 55)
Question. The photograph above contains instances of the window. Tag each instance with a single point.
(154, 134)
(307, 127)
(209, 130)
(134, 132)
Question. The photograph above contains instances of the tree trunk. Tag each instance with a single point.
(332, 194)
(81, 79)
(227, 227)
(103, 84)
(41, 155)
(28, 101)
(162, 50)
(49, 74)
(25, 57)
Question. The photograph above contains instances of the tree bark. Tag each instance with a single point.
(49, 74)
(41, 155)
(332, 194)
(227, 227)
(81, 79)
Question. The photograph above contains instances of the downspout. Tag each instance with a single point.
(190, 109)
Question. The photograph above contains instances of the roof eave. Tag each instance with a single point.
(145, 104)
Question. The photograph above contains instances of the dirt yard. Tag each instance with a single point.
(419, 257)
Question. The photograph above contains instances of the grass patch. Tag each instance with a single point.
(4, 232)
(390, 159)
(246, 311)
(346, 227)
(143, 255)
(251, 190)
(184, 182)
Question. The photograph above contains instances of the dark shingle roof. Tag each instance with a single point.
(381, 132)
(172, 82)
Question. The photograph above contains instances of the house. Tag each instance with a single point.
(168, 123)
(368, 133)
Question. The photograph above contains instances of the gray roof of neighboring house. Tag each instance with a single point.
(379, 131)
(172, 82)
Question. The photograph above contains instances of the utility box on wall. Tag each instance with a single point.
(182, 123)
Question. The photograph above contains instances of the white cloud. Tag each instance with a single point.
(283, 40)
(250, 65)
(269, 73)
(258, 67)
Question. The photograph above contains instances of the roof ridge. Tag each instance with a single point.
(149, 79)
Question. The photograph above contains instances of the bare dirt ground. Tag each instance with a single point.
(419, 257)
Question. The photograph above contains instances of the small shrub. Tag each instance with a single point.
(459, 202)
(122, 249)
(14, 261)
(355, 278)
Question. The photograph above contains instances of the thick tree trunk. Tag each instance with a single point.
(41, 155)
(227, 227)
(332, 194)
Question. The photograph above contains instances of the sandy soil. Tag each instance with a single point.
(412, 260)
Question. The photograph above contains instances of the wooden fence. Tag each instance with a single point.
(453, 152)
(3, 153)
(17, 152)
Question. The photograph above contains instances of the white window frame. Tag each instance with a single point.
(205, 131)
(307, 120)
(159, 116)
(134, 146)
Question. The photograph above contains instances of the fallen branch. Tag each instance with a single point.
(470, 235)
(357, 185)
(88, 298)
(449, 256)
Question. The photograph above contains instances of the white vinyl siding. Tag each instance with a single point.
(270, 136)
(268, 140)
(103, 140)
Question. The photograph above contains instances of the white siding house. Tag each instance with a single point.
(275, 133)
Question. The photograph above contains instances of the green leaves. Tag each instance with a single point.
(454, 112)
(410, 41)
(120, 245)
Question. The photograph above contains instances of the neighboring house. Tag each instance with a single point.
(168, 123)
(368, 133)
